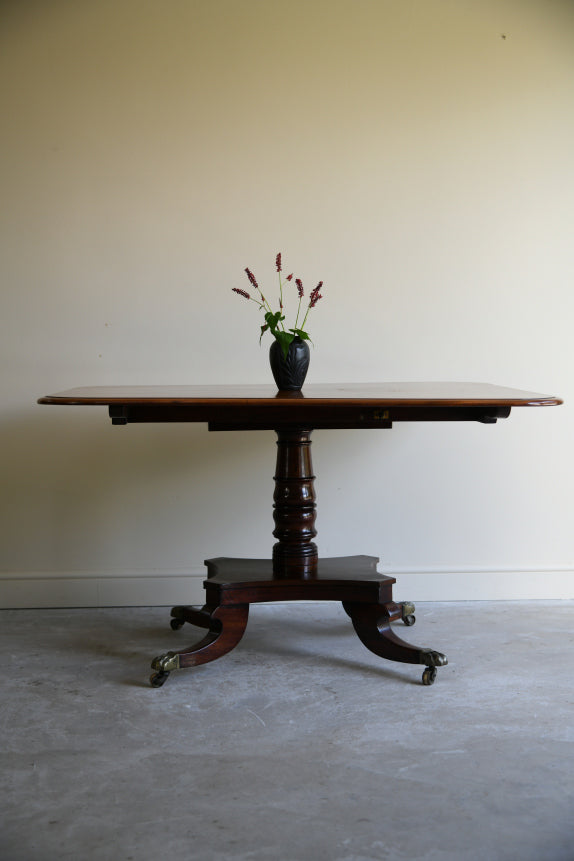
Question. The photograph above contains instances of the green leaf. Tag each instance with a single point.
(273, 321)
(301, 334)
(285, 340)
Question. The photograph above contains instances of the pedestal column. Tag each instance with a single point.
(294, 510)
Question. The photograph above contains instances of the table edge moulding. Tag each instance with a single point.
(294, 570)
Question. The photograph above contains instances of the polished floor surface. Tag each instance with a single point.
(300, 744)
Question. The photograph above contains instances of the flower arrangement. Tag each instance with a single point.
(274, 320)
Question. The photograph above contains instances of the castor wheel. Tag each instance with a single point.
(429, 675)
(407, 613)
(156, 680)
(176, 624)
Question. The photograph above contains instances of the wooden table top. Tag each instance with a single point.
(379, 395)
(262, 407)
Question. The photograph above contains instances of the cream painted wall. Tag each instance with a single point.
(415, 156)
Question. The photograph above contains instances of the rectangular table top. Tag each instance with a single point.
(380, 395)
(262, 407)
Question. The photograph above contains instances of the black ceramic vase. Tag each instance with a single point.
(289, 372)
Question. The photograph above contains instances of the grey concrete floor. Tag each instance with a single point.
(300, 744)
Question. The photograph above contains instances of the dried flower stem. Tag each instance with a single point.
(246, 295)
(264, 303)
(278, 265)
(299, 284)
(313, 299)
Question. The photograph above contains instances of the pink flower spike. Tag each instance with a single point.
(241, 292)
(251, 277)
(299, 284)
(278, 262)
(315, 295)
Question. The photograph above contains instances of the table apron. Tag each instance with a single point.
(222, 417)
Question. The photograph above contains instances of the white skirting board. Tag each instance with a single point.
(154, 588)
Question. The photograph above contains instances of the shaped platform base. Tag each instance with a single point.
(233, 584)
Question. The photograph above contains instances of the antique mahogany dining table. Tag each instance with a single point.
(295, 571)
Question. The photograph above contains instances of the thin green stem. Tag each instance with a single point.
(264, 303)
(281, 299)
(306, 315)
(298, 310)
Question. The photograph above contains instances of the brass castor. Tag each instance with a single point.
(407, 613)
(176, 624)
(429, 675)
(156, 680)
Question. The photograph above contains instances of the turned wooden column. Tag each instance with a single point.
(295, 554)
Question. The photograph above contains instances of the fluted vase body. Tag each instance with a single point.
(289, 372)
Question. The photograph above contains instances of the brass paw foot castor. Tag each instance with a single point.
(163, 665)
(432, 660)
